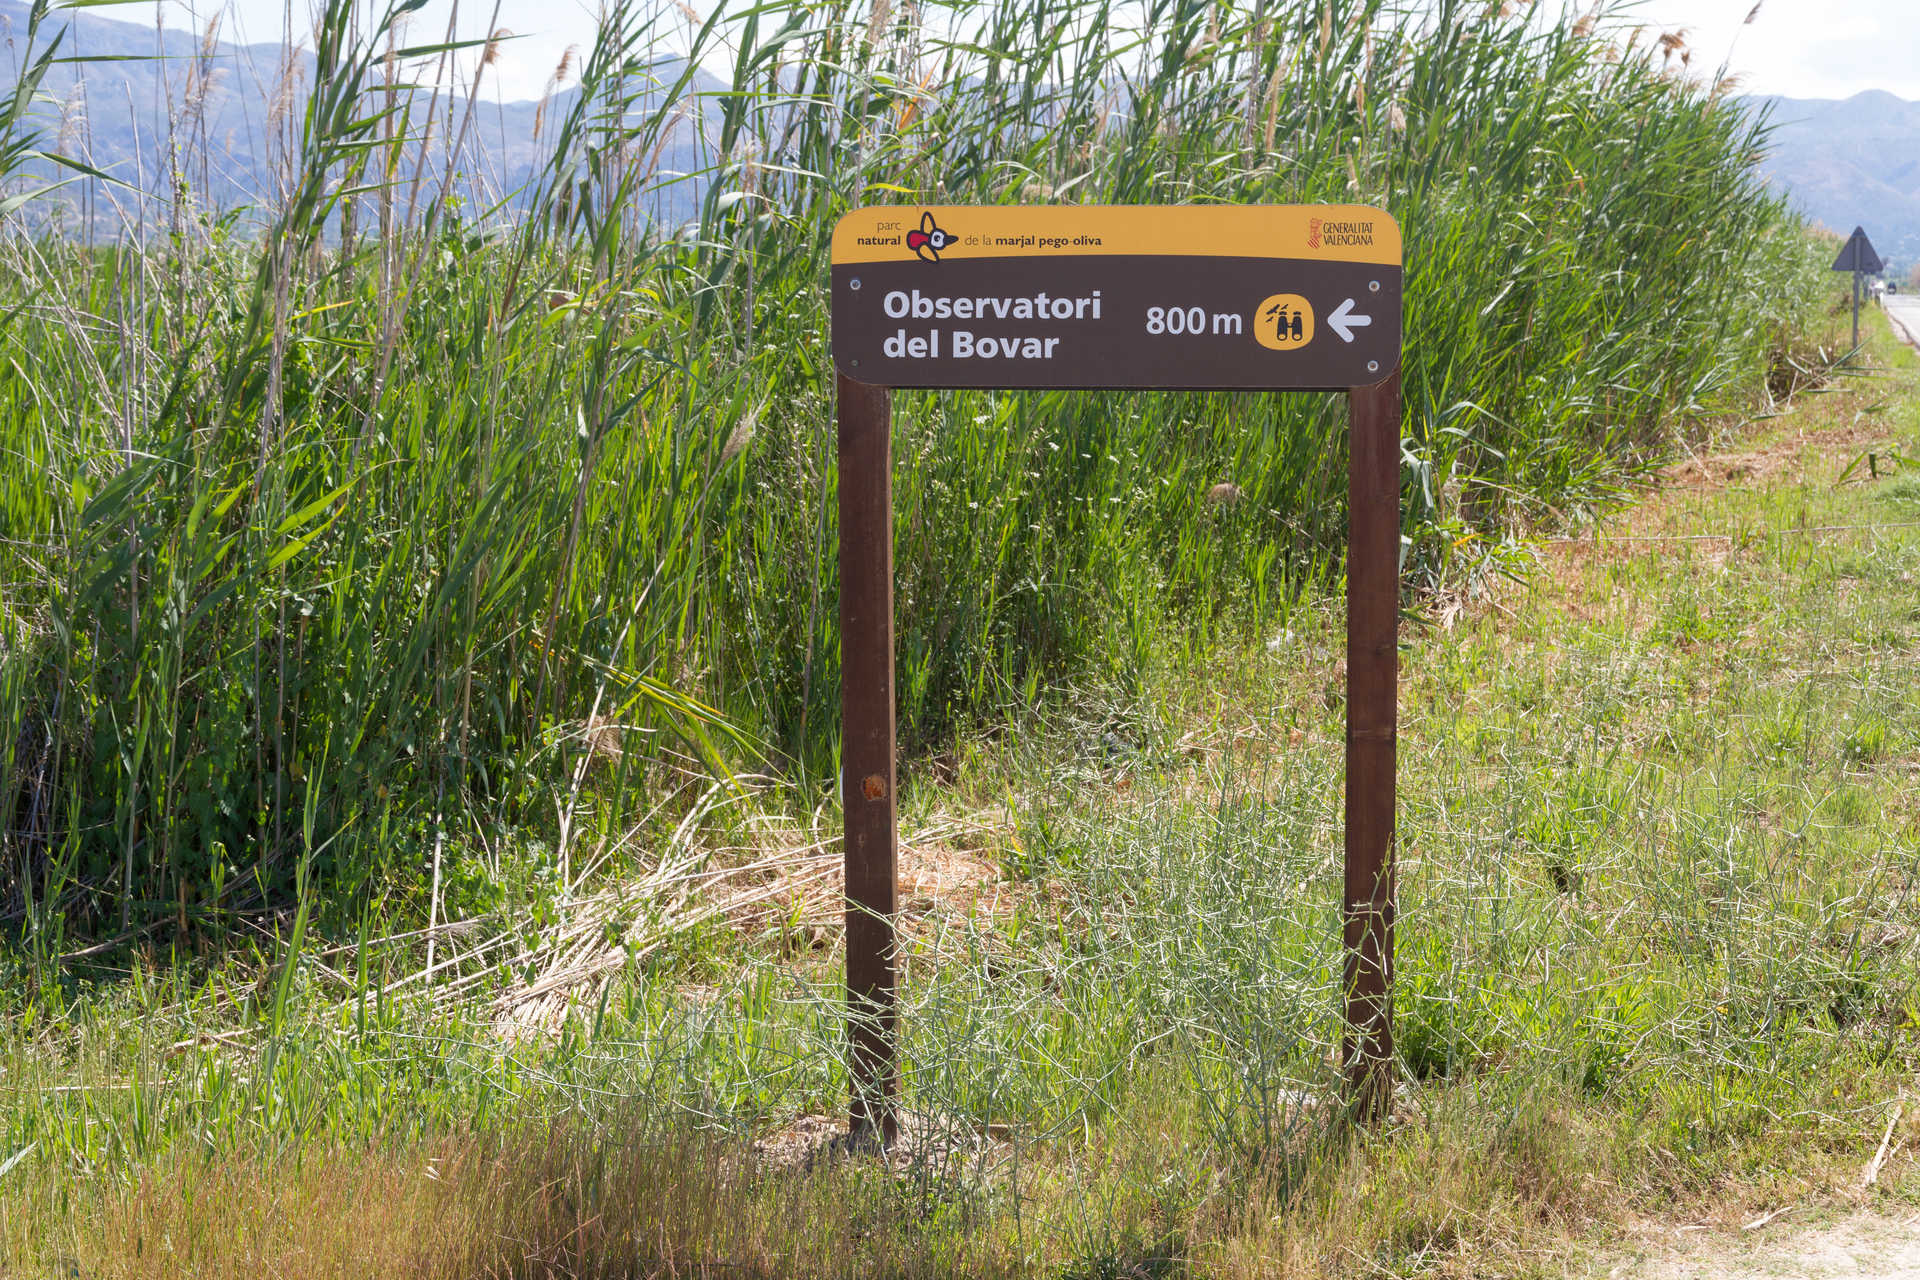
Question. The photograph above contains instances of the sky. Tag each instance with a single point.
(1794, 48)
(1802, 48)
(543, 30)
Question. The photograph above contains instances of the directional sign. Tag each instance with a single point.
(1858, 255)
(1273, 298)
(1197, 297)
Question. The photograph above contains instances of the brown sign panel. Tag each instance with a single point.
(1191, 297)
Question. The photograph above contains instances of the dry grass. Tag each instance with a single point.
(571, 1202)
(635, 1201)
(1457, 1188)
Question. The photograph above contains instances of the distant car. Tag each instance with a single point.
(1892, 287)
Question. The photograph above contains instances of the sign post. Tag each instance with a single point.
(1193, 298)
(1857, 255)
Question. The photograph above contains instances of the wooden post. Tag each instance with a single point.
(867, 752)
(1373, 669)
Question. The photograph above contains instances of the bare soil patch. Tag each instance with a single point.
(1864, 1244)
(1783, 456)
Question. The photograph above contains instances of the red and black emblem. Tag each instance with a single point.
(927, 240)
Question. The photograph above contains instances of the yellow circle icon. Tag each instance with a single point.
(1284, 322)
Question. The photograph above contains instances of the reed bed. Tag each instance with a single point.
(418, 542)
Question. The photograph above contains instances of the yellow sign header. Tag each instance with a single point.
(939, 233)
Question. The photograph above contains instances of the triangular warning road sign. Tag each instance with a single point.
(1858, 255)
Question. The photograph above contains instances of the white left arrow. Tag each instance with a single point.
(1344, 322)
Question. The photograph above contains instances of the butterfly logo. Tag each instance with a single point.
(927, 240)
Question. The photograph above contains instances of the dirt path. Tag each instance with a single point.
(1870, 1245)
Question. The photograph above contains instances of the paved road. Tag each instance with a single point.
(1904, 310)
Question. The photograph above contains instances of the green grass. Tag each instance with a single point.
(417, 687)
(350, 551)
(1657, 958)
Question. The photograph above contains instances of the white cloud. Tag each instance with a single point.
(1801, 48)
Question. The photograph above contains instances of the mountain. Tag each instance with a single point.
(230, 112)
(114, 113)
(1851, 163)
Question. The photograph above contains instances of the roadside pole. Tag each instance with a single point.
(1858, 256)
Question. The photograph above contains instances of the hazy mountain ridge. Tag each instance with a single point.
(115, 114)
(226, 110)
(1851, 162)
(1840, 162)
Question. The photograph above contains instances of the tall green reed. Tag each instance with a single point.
(519, 514)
